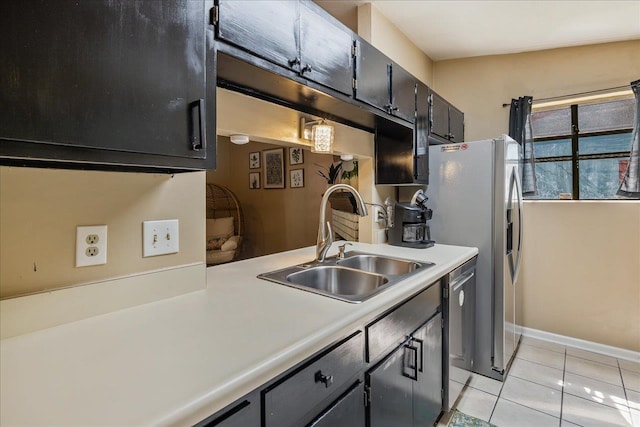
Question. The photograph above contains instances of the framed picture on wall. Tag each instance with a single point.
(254, 180)
(254, 160)
(295, 156)
(297, 178)
(273, 168)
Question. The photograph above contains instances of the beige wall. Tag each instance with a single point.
(40, 209)
(581, 267)
(370, 24)
(275, 220)
(374, 27)
(479, 86)
(581, 270)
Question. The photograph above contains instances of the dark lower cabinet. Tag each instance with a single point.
(402, 387)
(427, 390)
(297, 398)
(406, 388)
(347, 411)
(82, 80)
(243, 413)
(391, 390)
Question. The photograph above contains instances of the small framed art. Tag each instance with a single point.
(273, 168)
(295, 156)
(297, 178)
(254, 180)
(254, 160)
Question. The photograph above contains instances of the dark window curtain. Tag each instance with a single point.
(520, 130)
(630, 184)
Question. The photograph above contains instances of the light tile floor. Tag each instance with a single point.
(554, 385)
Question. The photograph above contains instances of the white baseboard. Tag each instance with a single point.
(43, 310)
(617, 352)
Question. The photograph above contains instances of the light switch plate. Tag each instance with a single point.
(160, 237)
(91, 245)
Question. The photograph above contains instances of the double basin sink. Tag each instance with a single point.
(354, 278)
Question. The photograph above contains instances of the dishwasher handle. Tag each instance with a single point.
(460, 281)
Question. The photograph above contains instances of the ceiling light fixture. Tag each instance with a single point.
(320, 133)
(239, 139)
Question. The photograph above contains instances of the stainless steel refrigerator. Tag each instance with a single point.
(475, 193)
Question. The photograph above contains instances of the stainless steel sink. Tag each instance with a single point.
(338, 280)
(355, 278)
(380, 264)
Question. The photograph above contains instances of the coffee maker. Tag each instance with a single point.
(409, 227)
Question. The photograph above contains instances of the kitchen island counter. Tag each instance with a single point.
(178, 360)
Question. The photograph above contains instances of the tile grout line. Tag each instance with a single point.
(624, 389)
(499, 394)
(564, 372)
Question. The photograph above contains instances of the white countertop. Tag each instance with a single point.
(176, 361)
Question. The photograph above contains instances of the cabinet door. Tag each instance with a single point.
(427, 391)
(268, 29)
(108, 74)
(421, 160)
(438, 116)
(456, 125)
(243, 414)
(373, 76)
(325, 50)
(390, 387)
(348, 411)
(403, 93)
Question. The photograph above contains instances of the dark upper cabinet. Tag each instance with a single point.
(382, 83)
(421, 135)
(295, 35)
(373, 70)
(446, 121)
(325, 49)
(106, 82)
(456, 124)
(268, 29)
(403, 93)
(402, 155)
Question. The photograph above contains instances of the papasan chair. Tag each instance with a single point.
(224, 225)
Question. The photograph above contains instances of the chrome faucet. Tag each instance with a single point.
(325, 234)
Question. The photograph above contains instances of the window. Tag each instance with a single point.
(582, 150)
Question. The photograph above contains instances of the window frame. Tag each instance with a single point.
(575, 156)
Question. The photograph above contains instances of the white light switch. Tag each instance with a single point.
(160, 237)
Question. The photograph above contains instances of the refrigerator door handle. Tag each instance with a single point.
(516, 270)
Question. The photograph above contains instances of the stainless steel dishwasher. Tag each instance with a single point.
(459, 315)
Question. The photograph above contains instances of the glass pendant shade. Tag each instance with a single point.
(322, 137)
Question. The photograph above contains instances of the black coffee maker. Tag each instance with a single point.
(409, 227)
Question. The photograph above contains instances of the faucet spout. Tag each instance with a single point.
(325, 234)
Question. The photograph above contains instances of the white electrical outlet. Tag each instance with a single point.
(160, 237)
(91, 245)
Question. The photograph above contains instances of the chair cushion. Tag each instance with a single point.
(219, 227)
(230, 245)
(216, 243)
